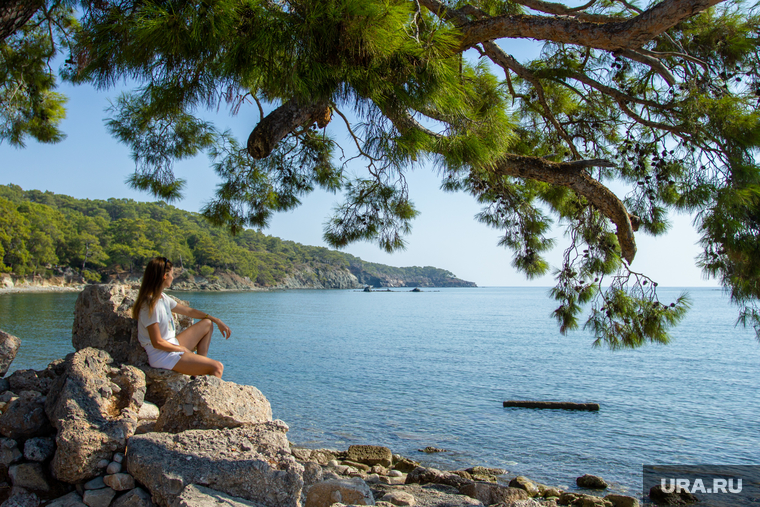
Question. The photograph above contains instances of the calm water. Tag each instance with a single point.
(409, 370)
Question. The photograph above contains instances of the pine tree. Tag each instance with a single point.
(629, 113)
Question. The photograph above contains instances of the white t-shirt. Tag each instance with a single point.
(162, 313)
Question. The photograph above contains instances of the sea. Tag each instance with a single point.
(409, 370)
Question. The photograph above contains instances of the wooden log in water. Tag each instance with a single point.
(556, 405)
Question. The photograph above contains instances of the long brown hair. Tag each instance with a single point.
(150, 288)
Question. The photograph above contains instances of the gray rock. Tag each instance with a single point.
(70, 500)
(211, 403)
(31, 380)
(251, 462)
(422, 475)
(312, 473)
(198, 496)
(98, 497)
(113, 468)
(102, 463)
(22, 500)
(9, 345)
(400, 498)
(622, 501)
(96, 483)
(346, 491)
(94, 407)
(371, 455)
(118, 457)
(591, 482)
(25, 417)
(119, 482)
(429, 495)
(39, 448)
(9, 452)
(102, 319)
(137, 497)
(405, 465)
(490, 493)
(29, 476)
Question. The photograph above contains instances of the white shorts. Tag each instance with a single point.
(161, 358)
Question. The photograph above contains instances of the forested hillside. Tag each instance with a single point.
(97, 238)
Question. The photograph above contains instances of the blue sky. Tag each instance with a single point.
(90, 164)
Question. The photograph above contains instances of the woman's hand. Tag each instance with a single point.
(223, 328)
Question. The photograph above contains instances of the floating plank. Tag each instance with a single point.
(557, 405)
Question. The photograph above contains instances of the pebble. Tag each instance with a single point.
(98, 497)
(103, 463)
(120, 482)
(113, 468)
(96, 483)
(118, 457)
(399, 498)
(395, 473)
(333, 463)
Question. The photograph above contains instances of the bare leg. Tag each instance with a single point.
(197, 336)
(194, 364)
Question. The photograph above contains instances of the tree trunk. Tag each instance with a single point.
(290, 116)
(15, 13)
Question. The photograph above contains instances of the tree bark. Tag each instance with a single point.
(15, 13)
(632, 33)
(290, 116)
(573, 176)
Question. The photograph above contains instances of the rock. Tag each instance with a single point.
(119, 481)
(430, 449)
(683, 497)
(312, 473)
(198, 496)
(25, 417)
(31, 380)
(28, 476)
(581, 500)
(591, 482)
(347, 491)
(113, 468)
(395, 473)
(422, 475)
(96, 483)
(622, 501)
(252, 462)
(39, 448)
(526, 484)
(94, 406)
(162, 384)
(145, 427)
(371, 455)
(70, 500)
(550, 492)
(9, 452)
(22, 500)
(400, 498)
(333, 463)
(209, 402)
(301, 453)
(103, 463)
(4, 385)
(428, 495)
(98, 497)
(9, 345)
(118, 457)
(485, 471)
(490, 494)
(137, 497)
(103, 320)
(148, 411)
(527, 503)
(405, 465)
(358, 466)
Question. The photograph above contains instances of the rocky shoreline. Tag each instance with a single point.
(101, 428)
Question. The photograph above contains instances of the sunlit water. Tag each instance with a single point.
(410, 370)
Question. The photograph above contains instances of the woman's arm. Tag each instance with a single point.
(197, 314)
(159, 343)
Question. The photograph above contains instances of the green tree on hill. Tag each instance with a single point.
(630, 112)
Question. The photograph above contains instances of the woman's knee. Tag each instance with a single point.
(218, 369)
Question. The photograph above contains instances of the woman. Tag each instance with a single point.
(155, 326)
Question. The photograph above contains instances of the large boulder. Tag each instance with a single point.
(9, 345)
(211, 403)
(422, 475)
(252, 462)
(162, 384)
(198, 496)
(103, 320)
(94, 406)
